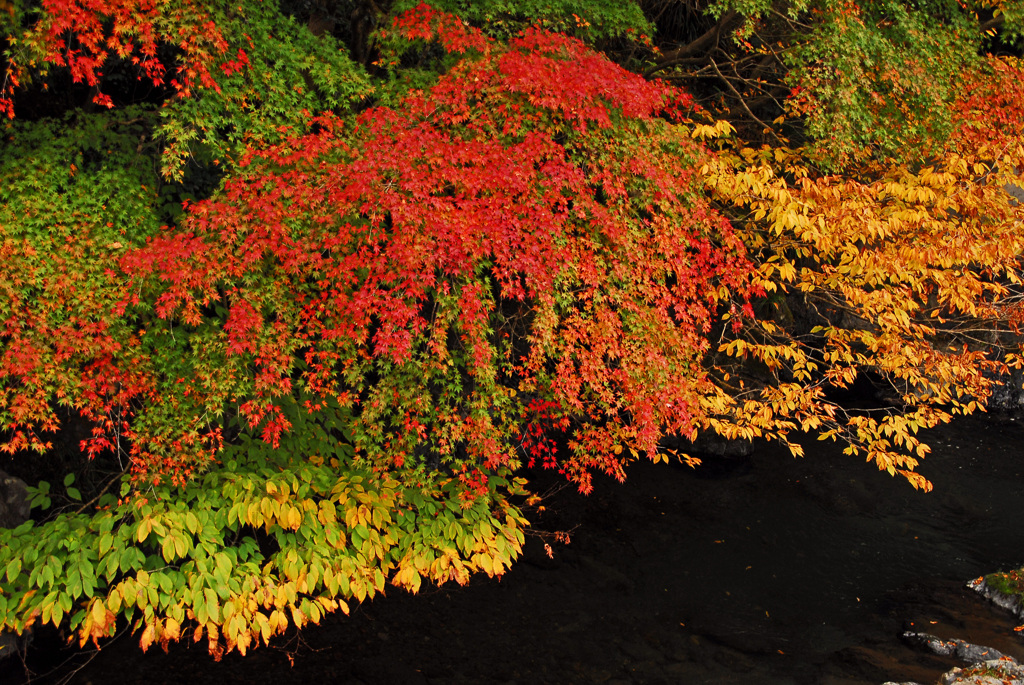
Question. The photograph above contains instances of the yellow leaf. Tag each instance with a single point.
(294, 518)
(147, 636)
(172, 629)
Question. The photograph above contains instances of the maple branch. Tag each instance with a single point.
(993, 24)
(790, 21)
(704, 44)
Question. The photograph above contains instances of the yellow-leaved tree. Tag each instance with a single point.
(904, 274)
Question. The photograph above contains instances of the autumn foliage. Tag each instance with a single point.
(332, 371)
(443, 264)
(907, 275)
(84, 35)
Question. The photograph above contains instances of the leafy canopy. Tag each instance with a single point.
(319, 321)
(433, 276)
(444, 263)
(879, 78)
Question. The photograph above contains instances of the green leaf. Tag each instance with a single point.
(74, 584)
(13, 569)
(212, 605)
(127, 559)
(167, 549)
(106, 542)
(24, 527)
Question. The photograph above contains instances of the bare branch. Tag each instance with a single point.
(702, 45)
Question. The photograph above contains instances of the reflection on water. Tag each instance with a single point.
(771, 570)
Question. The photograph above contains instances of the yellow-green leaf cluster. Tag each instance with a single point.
(251, 548)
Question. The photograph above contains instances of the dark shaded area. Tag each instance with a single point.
(772, 570)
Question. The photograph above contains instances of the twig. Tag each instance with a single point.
(66, 678)
(100, 493)
(740, 98)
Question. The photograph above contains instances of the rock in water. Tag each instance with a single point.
(1003, 671)
(988, 666)
(965, 651)
(1011, 603)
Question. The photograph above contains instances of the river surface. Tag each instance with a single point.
(764, 570)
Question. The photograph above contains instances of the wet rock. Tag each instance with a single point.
(988, 666)
(1008, 602)
(960, 649)
(1005, 671)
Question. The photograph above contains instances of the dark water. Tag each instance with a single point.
(767, 570)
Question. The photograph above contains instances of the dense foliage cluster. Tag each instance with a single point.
(300, 319)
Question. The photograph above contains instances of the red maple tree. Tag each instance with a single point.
(528, 229)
